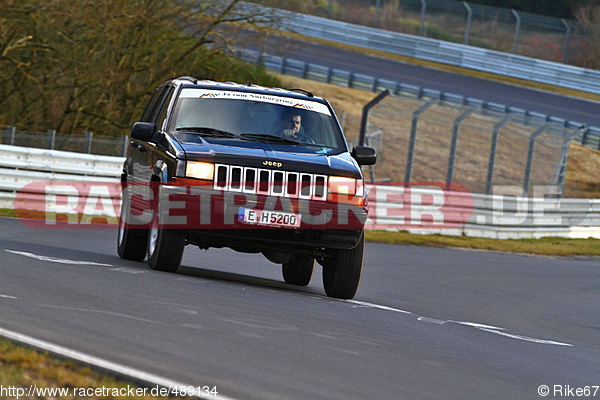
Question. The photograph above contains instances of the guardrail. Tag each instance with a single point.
(427, 210)
(22, 166)
(442, 52)
(392, 208)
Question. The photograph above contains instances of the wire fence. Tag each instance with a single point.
(425, 139)
(506, 30)
(51, 140)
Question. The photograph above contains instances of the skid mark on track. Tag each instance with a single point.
(111, 313)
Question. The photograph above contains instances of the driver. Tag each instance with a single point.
(292, 125)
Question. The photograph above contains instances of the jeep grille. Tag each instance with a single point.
(270, 182)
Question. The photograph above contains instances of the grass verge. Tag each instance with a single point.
(549, 246)
(22, 368)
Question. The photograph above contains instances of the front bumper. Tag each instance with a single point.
(209, 218)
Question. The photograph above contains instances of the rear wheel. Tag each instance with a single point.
(299, 271)
(342, 271)
(165, 246)
(131, 241)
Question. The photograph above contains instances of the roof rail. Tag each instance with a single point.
(188, 78)
(304, 92)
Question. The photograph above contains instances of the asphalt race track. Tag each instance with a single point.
(570, 108)
(426, 323)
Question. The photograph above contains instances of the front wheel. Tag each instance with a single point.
(165, 246)
(299, 271)
(342, 272)
(131, 242)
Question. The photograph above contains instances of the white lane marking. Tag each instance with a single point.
(371, 305)
(478, 326)
(56, 260)
(432, 320)
(97, 362)
(8, 297)
(481, 327)
(525, 338)
(128, 270)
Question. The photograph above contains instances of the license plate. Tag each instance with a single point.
(268, 218)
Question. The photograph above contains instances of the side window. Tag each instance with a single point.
(154, 105)
(151, 104)
(162, 114)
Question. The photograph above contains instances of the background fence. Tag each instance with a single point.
(493, 28)
(52, 140)
(424, 134)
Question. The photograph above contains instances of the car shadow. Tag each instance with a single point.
(246, 280)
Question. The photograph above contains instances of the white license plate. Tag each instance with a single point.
(268, 218)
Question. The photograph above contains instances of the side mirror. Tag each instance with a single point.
(143, 131)
(364, 155)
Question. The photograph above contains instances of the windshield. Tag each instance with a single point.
(217, 115)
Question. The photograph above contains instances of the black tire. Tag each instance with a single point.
(342, 272)
(165, 246)
(299, 271)
(131, 242)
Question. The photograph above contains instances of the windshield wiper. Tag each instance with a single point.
(207, 132)
(263, 138)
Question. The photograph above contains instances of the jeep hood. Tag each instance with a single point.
(274, 156)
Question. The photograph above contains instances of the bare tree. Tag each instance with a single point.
(78, 65)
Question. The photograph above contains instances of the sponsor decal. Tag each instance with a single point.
(192, 93)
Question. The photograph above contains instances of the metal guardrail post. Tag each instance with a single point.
(350, 79)
(493, 149)
(558, 181)
(282, 66)
(328, 75)
(422, 29)
(469, 20)
(11, 135)
(374, 84)
(329, 7)
(532, 139)
(584, 135)
(516, 14)
(567, 37)
(452, 156)
(87, 144)
(304, 70)
(413, 139)
(124, 144)
(51, 139)
(377, 7)
(365, 115)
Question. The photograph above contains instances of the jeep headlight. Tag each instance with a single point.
(200, 170)
(346, 186)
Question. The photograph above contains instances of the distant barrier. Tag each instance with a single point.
(392, 208)
(443, 52)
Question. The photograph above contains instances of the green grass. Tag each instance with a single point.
(549, 246)
(21, 368)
